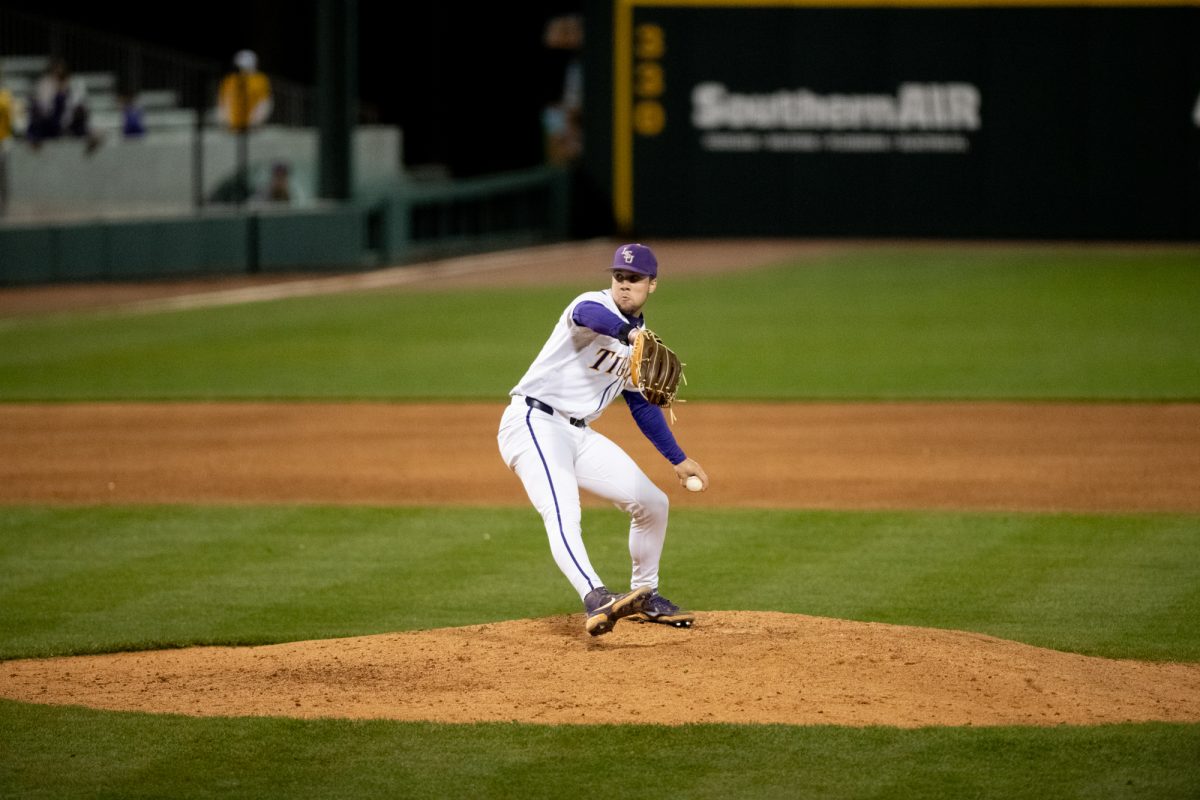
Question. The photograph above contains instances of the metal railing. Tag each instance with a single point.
(412, 221)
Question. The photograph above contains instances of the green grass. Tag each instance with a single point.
(77, 580)
(916, 322)
(80, 580)
(928, 323)
(906, 323)
(68, 752)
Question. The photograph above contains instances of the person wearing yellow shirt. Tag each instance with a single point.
(244, 99)
(8, 112)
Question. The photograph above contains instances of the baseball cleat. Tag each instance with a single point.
(662, 611)
(604, 608)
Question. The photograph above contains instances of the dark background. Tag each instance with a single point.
(1087, 123)
(466, 82)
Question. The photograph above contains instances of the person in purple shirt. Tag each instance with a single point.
(546, 438)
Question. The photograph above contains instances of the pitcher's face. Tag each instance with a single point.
(631, 290)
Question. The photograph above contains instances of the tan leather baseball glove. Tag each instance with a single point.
(656, 370)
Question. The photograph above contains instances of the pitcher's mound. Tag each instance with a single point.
(733, 666)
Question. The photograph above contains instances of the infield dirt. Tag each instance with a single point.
(1000, 456)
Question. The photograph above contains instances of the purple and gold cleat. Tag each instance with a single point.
(660, 610)
(604, 608)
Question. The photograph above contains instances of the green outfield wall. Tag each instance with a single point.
(920, 118)
(191, 246)
(392, 224)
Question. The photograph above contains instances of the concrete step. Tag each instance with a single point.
(24, 65)
(97, 81)
(155, 120)
(19, 85)
(149, 100)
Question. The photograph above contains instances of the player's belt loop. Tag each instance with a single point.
(540, 406)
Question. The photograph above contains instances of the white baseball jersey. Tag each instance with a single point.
(577, 374)
(579, 371)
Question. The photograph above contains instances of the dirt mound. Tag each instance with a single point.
(733, 667)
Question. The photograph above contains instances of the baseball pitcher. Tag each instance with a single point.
(600, 349)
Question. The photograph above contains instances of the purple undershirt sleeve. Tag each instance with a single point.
(591, 314)
(650, 420)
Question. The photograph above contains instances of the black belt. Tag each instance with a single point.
(540, 406)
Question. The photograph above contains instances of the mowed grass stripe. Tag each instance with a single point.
(80, 580)
(57, 752)
(904, 323)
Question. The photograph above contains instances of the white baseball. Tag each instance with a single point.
(694, 483)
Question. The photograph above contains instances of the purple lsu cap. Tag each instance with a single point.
(636, 258)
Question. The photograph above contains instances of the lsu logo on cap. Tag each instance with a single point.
(635, 258)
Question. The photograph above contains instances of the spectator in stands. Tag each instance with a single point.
(244, 99)
(244, 102)
(58, 107)
(562, 120)
(279, 187)
(8, 114)
(133, 118)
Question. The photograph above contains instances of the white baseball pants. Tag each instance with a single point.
(554, 460)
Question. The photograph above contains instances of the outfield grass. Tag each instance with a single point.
(100, 579)
(899, 324)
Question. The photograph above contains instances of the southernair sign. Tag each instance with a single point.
(770, 121)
